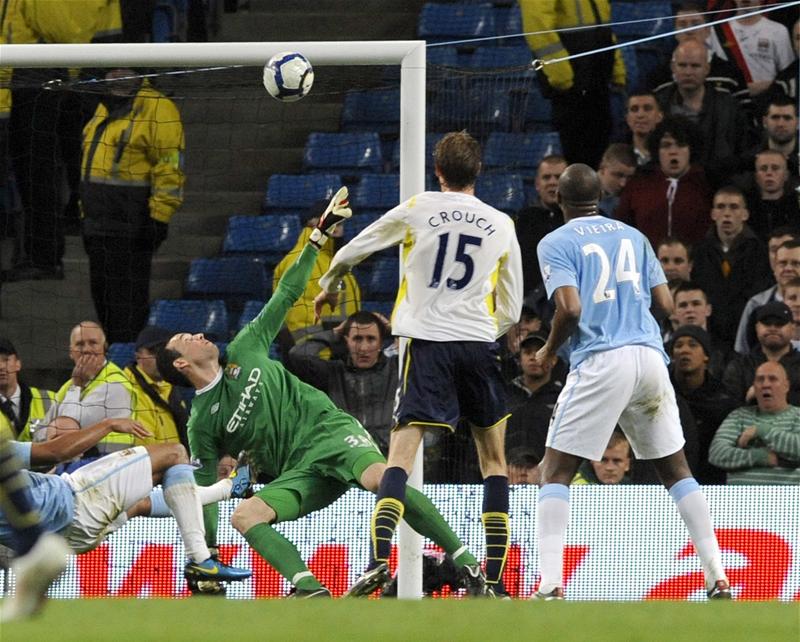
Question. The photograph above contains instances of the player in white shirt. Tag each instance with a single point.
(602, 276)
(461, 289)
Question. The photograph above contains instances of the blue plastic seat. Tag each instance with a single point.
(234, 278)
(381, 279)
(379, 307)
(375, 110)
(191, 315)
(358, 222)
(249, 311)
(431, 138)
(506, 192)
(442, 56)
(519, 152)
(480, 112)
(509, 23)
(121, 353)
(376, 192)
(270, 237)
(501, 57)
(343, 153)
(654, 16)
(295, 193)
(441, 22)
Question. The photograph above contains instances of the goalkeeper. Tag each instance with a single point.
(293, 433)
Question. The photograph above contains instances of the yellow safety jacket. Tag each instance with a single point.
(548, 15)
(132, 166)
(35, 403)
(154, 416)
(65, 21)
(300, 318)
(110, 373)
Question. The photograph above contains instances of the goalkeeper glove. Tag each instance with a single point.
(337, 211)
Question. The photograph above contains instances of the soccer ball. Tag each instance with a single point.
(288, 76)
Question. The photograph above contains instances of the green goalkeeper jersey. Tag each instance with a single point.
(254, 403)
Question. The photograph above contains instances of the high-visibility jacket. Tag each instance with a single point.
(34, 405)
(110, 373)
(590, 71)
(300, 318)
(154, 416)
(132, 166)
(66, 21)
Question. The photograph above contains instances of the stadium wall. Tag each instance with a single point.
(624, 543)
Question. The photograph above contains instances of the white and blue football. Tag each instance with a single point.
(288, 76)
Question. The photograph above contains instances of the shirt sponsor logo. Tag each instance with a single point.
(247, 400)
(214, 408)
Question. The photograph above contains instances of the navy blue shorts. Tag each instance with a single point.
(443, 381)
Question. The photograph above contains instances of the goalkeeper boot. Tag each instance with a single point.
(473, 579)
(374, 579)
(337, 212)
(212, 569)
(308, 594)
(34, 572)
(241, 478)
(556, 594)
(720, 591)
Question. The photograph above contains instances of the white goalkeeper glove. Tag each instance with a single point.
(338, 210)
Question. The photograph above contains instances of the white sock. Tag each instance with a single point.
(693, 507)
(218, 492)
(180, 493)
(551, 529)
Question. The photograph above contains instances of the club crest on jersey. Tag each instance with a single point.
(232, 371)
(547, 271)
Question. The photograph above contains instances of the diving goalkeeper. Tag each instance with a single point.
(293, 433)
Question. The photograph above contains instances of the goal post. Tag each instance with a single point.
(410, 55)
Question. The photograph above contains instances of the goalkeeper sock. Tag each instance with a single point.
(282, 555)
(180, 494)
(693, 507)
(495, 525)
(423, 517)
(388, 513)
(16, 499)
(551, 529)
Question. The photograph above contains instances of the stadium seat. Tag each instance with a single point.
(509, 23)
(477, 109)
(501, 57)
(358, 223)
(442, 22)
(343, 153)
(632, 77)
(430, 144)
(519, 152)
(375, 110)
(191, 315)
(381, 279)
(249, 311)
(294, 193)
(376, 192)
(233, 278)
(636, 18)
(442, 56)
(121, 353)
(379, 307)
(270, 237)
(538, 109)
(506, 192)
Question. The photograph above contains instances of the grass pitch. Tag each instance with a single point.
(201, 619)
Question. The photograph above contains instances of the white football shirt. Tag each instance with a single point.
(462, 271)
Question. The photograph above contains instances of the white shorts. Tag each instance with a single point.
(628, 386)
(103, 490)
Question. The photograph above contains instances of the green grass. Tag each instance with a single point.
(207, 619)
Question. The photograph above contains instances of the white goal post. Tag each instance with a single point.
(409, 54)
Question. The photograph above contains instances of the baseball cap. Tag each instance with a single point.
(533, 340)
(6, 347)
(152, 336)
(695, 332)
(776, 311)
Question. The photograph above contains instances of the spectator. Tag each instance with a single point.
(132, 186)
(45, 126)
(730, 264)
(674, 198)
(773, 200)
(774, 331)
(760, 47)
(761, 444)
(780, 129)
(613, 468)
(722, 125)
(709, 402)
(786, 80)
(674, 256)
(97, 389)
(365, 382)
(528, 322)
(578, 88)
(693, 309)
(300, 320)
(531, 398)
(616, 167)
(785, 267)
(21, 405)
(642, 115)
(792, 299)
(523, 466)
(159, 406)
(534, 222)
